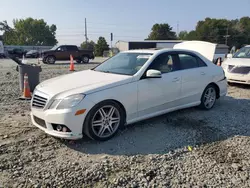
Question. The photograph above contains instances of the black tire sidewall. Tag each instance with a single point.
(78, 61)
(50, 57)
(202, 105)
(87, 127)
(83, 59)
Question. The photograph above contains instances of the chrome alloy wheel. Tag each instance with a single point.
(209, 97)
(105, 121)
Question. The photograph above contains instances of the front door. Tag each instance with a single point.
(159, 94)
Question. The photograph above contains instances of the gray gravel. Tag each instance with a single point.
(152, 153)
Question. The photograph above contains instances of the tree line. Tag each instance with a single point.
(34, 32)
(222, 31)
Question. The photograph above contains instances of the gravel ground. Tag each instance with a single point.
(152, 153)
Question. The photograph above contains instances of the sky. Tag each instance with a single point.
(126, 19)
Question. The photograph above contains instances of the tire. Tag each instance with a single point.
(208, 97)
(103, 125)
(44, 61)
(85, 59)
(78, 61)
(51, 60)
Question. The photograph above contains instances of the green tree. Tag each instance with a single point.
(101, 46)
(90, 45)
(162, 32)
(215, 30)
(183, 35)
(29, 32)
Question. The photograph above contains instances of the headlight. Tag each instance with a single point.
(67, 102)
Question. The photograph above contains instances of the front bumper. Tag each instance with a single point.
(50, 118)
(49, 130)
(238, 78)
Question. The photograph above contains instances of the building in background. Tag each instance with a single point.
(146, 44)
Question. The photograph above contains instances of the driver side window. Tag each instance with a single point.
(164, 63)
(62, 48)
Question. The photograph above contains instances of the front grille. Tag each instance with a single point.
(238, 69)
(38, 101)
(230, 67)
(39, 121)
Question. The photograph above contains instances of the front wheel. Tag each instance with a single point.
(103, 121)
(51, 60)
(208, 97)
(78, 61)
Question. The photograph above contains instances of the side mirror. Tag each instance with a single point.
(151, 73)
(229, 55)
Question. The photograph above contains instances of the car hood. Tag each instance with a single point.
(47, 51)
(237, 62)
(87, 81)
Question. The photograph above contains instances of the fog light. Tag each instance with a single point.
(59, 128)
(64, 129)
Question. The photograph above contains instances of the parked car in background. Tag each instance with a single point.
(2, 54)
(63, 53)
(32, 54)
(128, 87)
(17, 52)
(237, 66)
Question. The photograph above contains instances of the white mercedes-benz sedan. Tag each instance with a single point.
(237, 67)
(129, 87)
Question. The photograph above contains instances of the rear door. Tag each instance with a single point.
(73, 50)
(195, 77)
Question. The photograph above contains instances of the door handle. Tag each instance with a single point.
(203, 73)
(176, 79)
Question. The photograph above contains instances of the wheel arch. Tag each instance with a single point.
(85, 129)
(216, 88)
(51, 55)
(112, 100)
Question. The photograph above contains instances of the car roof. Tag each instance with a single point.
(157, 51)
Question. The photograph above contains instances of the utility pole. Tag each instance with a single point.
(86, 37)
(177, 29)
(111, 39)
(226, 36)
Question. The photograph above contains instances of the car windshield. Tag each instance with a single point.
(31, 51)
(54, 48)
(124, 63)
(243, 53)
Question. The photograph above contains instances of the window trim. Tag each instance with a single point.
(193, 55)
(171, 53)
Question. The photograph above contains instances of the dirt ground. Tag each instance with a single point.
(152, 153)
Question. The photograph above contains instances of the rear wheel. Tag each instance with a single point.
(103, 121)
(85, 59)
(208, 97)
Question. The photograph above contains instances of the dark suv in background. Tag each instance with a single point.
(63, 53)
(17, 52)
